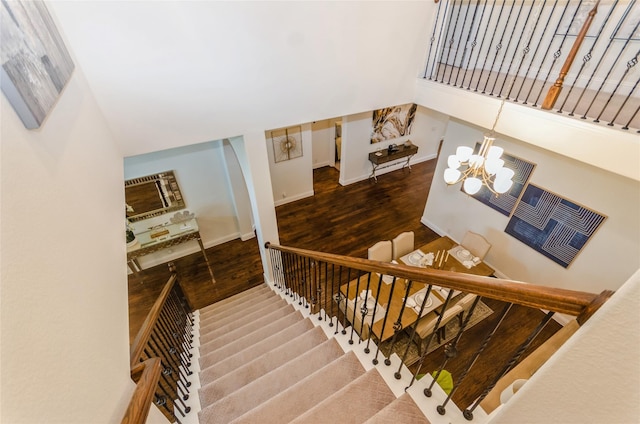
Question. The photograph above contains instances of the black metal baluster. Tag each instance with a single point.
(441, 408)
(612, 38)
(435, 330)
(558, 52)
(626, 126)
(346, 300)
(443, 47)
(484, 35)
(363, 309)
(468, 413)
(433, 38)
(384, 323)
(546, 53)
(486, 57)
(466, 43)
(450, 349)
(333, 288)
(515, 49)
(373, 314)
(397, 326)
(630, 64)
(498, 49)
(464, 22)
(355, 309)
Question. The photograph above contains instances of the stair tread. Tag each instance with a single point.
(230, 363)
(402, 410)
(237, 304)
(305, 394)
(227, 323)
(211, 353)
(214, 390)
(244, 327)
(355, 403)
(240, 296)
(270, 384)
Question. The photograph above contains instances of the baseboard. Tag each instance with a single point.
(248, 236)
(294, 198)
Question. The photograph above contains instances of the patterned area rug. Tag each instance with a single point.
(481, 312)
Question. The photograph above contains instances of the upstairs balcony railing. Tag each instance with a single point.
(577, 58)
(324, 283)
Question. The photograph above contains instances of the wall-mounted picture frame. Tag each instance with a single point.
(36, 65)
(556, 227)
(392, 122)
(287, 143)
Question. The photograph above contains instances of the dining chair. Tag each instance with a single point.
(465, 304)
(476, 244)
(403, 244)
(381, 251)
(426, 326)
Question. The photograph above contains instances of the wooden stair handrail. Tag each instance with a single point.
(571, 302)
(146, 374)
(144, 333)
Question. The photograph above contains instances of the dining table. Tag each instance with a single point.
(381, 295)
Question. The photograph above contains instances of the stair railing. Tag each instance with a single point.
(146, 375)
(573, 56)
(314, 280)
(166, 334)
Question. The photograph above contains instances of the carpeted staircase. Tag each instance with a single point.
(262, 361)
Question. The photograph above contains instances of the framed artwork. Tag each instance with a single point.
(551, 225)
(392, 122)
(506, 202)
(35, 62)
(287, 143)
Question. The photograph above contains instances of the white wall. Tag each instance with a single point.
(292, 179)
(593, 378)
(427, 130)
(606, 261)
(169, 74)
(323, 140)
(64, 353)
(206, 187)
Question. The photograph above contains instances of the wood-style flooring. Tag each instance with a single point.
(345, 220)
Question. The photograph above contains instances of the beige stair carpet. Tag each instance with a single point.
(258, 365)
(229, 323)
(215, 351)
(353, 404)
(270, 384)
(244, 326)
(306, 393)
(246, 304)
(230, 363)
(225, 303)
(402, 410)
(243, 303)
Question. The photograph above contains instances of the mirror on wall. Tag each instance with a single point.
(152, 195)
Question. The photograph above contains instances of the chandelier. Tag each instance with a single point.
(483, 168)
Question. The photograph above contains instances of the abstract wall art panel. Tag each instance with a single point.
(505, 203)
(35, 63)
(392, 122)
(555, 227)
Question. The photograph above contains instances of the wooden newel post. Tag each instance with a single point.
(556, 88)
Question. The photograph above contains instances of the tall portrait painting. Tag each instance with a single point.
(35, 62)
(392, 122)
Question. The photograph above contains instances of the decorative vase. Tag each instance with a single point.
(131, 238)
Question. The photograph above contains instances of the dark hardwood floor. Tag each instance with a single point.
(345, 220)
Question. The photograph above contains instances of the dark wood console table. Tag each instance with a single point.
(385, 158)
